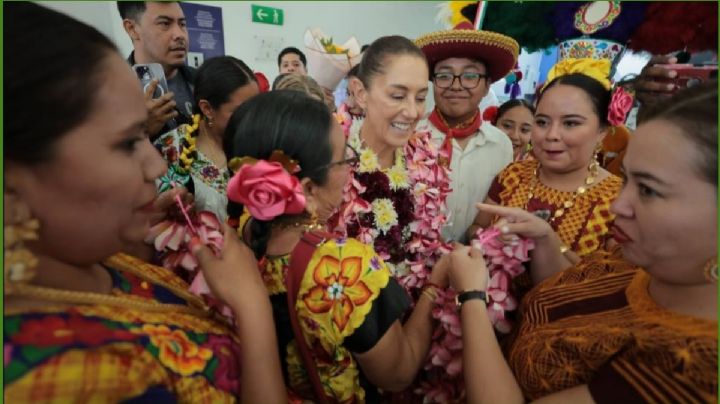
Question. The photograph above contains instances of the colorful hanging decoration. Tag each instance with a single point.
(657, 27)
(512, 83)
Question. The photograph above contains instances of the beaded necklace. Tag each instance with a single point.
(593, 169)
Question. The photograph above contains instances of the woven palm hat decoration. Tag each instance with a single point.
(497, 52)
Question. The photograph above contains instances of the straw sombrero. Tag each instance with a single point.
(498, 52)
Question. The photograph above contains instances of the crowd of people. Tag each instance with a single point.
(229, 242)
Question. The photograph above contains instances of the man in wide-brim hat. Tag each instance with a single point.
(463, 63)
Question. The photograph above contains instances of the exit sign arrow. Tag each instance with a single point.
(267, 15)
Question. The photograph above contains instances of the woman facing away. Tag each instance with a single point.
(84, 322)
(194, 152)
(292, 162)
(637, 323)
(564, 184)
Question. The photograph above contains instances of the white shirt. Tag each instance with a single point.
(472, 171)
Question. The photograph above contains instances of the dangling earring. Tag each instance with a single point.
(314, 222)
(594, 166)
(19, 262)
(210, 121)
(711, 270)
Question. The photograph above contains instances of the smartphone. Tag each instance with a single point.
(689, 75)
(146, 73)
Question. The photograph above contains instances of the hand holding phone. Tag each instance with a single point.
(147, 72)
(159, 100)
(691, 75)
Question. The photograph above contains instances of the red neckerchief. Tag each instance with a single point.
(461, 131)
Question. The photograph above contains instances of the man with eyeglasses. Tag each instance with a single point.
(463, 63)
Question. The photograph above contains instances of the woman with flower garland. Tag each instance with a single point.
(634, 324)
(84, 322)
(194, 152)
(397, 194)
(292, 162)
(565, 184)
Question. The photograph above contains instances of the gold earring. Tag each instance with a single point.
(19, 262)
(711, 270)
(314, 222)
(594, 165)
(210, 121)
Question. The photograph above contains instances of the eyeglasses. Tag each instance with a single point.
(467, 80)
(352, 157)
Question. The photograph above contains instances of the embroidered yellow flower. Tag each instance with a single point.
(175, 350)
(368, 161)
(385, 215)
(398, 177)
(338, 289)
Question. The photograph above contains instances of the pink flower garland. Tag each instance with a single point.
(430, 186)
(173, 243)
(444, 370)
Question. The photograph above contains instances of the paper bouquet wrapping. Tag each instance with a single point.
(329, 63)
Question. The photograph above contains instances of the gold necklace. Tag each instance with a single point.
(593, 169)
(196, 306)
(91, 298)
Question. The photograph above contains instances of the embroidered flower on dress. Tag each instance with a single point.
(173, 176)
(210, 171)
(227, 352)
(176, 350)
(338, 289)
(61, 331)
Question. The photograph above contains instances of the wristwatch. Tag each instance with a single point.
(463, 297)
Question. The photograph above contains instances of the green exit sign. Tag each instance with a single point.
(267, 15)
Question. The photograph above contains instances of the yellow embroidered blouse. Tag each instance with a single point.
(346, 302)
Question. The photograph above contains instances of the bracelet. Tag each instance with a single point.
(430, 291)
(430, 295)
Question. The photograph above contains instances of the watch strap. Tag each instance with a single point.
(463, 297)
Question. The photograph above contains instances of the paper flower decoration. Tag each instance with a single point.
(329, 63)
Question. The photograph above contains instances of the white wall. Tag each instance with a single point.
(367, 20)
